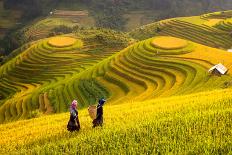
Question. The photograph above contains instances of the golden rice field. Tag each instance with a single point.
(61, 41)
(160, 97)
(165, 42)
(213, 55)
(212, 22)
(191, 124)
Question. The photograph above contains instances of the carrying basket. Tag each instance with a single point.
(92, 111)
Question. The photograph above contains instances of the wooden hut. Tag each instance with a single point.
(218, 70)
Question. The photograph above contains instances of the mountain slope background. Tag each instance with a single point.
(183, 7)
(115, 14)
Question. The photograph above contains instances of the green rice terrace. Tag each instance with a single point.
(45, 27)
(161, 99)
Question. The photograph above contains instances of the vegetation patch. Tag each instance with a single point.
(225, 25)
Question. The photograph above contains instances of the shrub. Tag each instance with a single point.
(62, 29)
(34, 114)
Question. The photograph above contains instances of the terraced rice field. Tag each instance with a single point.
(191, 28)
(217, 15)
(144, 71)
(225, 25)
(221, 20)
(48, 74)
(37, 77)
(159, 92)
(42, 28)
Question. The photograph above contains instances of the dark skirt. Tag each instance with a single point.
(98, 122)
(73, 125)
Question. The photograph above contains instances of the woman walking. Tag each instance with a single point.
(73, 123)
(99, 118)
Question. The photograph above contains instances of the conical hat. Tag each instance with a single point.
(92, 111)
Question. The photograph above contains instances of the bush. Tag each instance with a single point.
(2, 52)
(34, 114)
(1, 60)
(62, 29)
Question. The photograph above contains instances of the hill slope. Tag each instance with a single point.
(191, 124)
(206, 29)
(31, 73)
(46, 75)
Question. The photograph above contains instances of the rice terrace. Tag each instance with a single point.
(166, 87)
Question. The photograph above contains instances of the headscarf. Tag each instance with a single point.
(73, 105)
(101, 102)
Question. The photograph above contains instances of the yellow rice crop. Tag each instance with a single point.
(212, 22)
(165, 42)
(228, 20)
(212, 55)
(61, 41)
(180, 122)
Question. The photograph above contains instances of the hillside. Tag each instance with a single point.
(43, 28)
(178, 8)
(213, 29)
(123, 15)
(192, 124)
(119, 11)
(45, 77)
(31, 74)
(160, 96)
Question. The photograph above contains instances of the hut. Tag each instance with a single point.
(218, 70)
(229, 50)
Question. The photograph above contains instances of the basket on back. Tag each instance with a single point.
(92, 111)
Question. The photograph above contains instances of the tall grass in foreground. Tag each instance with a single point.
(192, 124)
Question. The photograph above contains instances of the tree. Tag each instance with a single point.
(111, 16)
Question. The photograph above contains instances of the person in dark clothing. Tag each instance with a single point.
(73, 123)
(99, 118)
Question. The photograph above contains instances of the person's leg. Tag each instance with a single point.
(101, 122)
